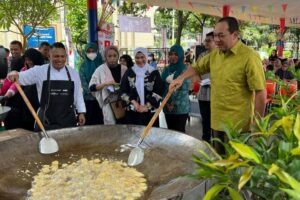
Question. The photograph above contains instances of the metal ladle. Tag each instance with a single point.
(136, 155)
(47, 144)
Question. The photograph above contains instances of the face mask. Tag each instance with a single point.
(91, 56)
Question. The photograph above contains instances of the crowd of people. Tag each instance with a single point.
(64, 98)
(116, 89)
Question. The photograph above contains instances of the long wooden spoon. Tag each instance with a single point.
(136, 155)
(47, 144)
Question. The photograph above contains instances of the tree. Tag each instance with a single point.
(30, 12)
(77, 21)
(188, 23)
(258, 35)
(182, 17)
(294, 36)
(197, 22)
(134, 9)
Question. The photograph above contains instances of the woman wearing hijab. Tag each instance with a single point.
(178, 107)
(142, 90)
(105, 81)
(92, 60)
(20, 116)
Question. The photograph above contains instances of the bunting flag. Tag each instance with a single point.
(254, 8)
(284, 6)
(191, 4)
(243, 8)
(270, 8)
(226, 10)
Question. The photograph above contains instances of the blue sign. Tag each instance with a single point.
(40, 35)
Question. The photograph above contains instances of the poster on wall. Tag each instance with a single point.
(105, 36)
(42, 34)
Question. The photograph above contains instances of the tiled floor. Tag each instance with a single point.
(193, 126)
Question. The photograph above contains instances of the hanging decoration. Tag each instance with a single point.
(243, 8)
(284, 6)
(191, 4)
(282, 24)
(177, 3)
(254, 8)
(270, 8)
(226, 10)
(280, 42)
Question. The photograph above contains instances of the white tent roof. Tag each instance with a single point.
(260, 11)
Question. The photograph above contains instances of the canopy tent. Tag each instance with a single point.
(259, 11)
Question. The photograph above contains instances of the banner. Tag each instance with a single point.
(135, 24)
(105, 36)
(42, 34)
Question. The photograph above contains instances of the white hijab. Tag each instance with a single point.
(140, 74)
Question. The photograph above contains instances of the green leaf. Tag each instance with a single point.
(227, 147)
(206, 156)
(235, 195)
(213, 192)
(297, 128)
(224, 163)
(296, 151)
(274, 127)
(284, 149)
(284, 177)
(245, 178)
(213, 150)
(246, 151)
(287, 125)
(208, 165)
(293, 168)
(292, 193)
(239, 164)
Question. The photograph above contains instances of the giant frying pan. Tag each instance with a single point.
(167, 157)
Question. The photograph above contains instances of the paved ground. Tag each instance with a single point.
(193, 126)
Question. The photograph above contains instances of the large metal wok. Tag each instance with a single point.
(167, 158)
(4, 111)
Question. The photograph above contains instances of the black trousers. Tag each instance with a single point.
(205, 115)
(217, 145)
(176, 122)
(137, 118)
(94, 114)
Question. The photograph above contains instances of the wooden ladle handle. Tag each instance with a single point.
(156, 114)
(27, 102)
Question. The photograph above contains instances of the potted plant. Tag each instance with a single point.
(263, 164)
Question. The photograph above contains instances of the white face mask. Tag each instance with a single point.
(91, 56)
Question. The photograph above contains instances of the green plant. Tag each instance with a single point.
(264, 163)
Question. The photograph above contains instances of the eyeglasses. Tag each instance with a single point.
(207, 40)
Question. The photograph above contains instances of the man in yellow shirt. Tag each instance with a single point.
(237, 80)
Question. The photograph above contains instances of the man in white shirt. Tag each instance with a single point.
(59, 90)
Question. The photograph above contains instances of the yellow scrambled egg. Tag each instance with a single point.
(88, 180)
